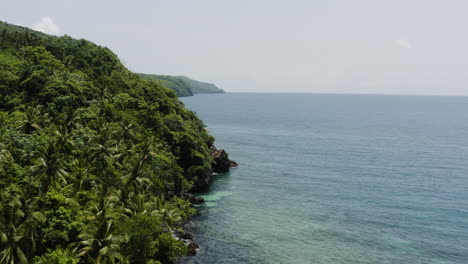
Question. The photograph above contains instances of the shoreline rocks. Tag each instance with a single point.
(196, 200)
(233, 164)
(192, 248)
(187, 239)
(222, 163)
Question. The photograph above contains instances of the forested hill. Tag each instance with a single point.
(94, 160)
(183, 86)
(180, 87)
(198, 87)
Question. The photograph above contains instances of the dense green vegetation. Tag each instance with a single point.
(94, 160)
(183, 86)
(200, 87)
(180, 87)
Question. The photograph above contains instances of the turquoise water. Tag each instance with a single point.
(336, 179)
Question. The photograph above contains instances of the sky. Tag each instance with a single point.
(333, 46)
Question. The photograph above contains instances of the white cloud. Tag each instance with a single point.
(46, 25)
(403, 43)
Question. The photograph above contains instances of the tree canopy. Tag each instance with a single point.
(183, 86)
(94, 160)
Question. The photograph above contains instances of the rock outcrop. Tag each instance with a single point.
(222, 163)
(187, 239)
(233, 164)
(196, 200)
(192, 248)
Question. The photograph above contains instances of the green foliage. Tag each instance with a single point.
(63, 220)
(181, 85)
(57, 256)
(141, 232)
(169, 248)
(184, 206)
(93, 159)
(198, 87)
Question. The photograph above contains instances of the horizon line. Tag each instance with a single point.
(324, 93)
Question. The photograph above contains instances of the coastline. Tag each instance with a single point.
(124, 149)
(221, 164)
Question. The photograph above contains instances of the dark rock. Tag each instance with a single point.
(233, 164)
(186, 236)
(197, 200)
(221, 161)
(192, 248)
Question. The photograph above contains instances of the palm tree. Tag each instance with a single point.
(48, 169)
(140, 175)
(17, 218)
(102, 153)
(6, 163)
(126, 132)
(98, 239)
(32, 119)
(126, 136)
(138, 204)
(166, 212)
(63, 141)
(100, 244)
(71, 120)
(80, 176)
(147, 149)
(169, 215)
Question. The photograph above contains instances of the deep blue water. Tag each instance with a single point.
(336, 179)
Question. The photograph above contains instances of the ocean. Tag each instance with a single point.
(335, 179)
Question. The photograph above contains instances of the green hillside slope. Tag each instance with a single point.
(180, 87)
(183, 86)
(94, 161)
(198, 87)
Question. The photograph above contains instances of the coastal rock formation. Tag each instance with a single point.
(233, 164)
(197, 200)
(222, 163)
(187, 239)
(192, 248)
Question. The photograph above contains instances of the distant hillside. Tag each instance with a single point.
(200, 87)
(179, 86)
(183, 86)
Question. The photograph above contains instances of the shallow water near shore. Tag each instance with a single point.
(335, 179)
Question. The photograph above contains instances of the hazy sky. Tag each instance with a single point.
(332, 46)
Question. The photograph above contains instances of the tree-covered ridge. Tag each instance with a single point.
(180, 87)
(94, 160)
(198, 87)
(183, 86)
